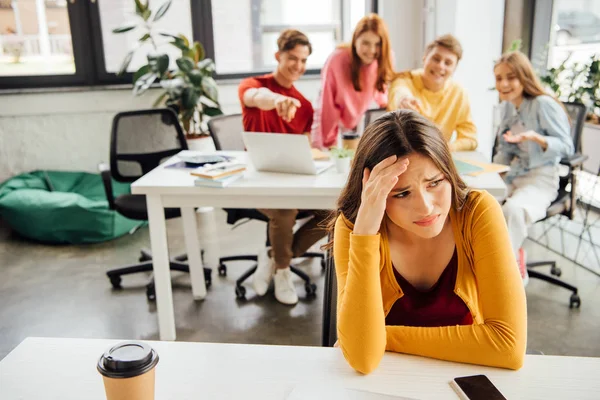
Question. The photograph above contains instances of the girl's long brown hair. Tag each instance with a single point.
(372, 23)
(522, 68)
(398, 133)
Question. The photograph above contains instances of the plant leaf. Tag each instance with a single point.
(185, 64)
(146, 14)
(189, 53)
(207, 66)
(167, 34)
(158, 63)
(195, 77)
(180, 44)
(143, 83)
(139, 7)
(145, 37)
(125, 63)
(160, 99)
(185, 40)
(210, 88)
(199, 50)
(162, 10)
(212, 111)
(189, 98)
(124, 28)
(141, 72)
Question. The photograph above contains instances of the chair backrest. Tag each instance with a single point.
(141, 140)
(576, 113)
(329, 334)
(373, 114)
(226, 132)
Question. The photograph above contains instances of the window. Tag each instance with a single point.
(575, 31)
(116, 13)
(252, 28)
(35, 38)
(61, 43)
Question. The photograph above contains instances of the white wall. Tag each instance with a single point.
(479, 27)
(404, 20)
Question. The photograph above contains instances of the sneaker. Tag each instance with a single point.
(285, 291)
(522, 261)
(261, 279)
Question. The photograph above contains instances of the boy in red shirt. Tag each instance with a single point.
(271, 103)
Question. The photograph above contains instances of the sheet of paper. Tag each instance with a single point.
(310, 391)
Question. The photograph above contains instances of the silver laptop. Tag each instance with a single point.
(282, 152)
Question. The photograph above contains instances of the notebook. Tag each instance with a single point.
(218, 183)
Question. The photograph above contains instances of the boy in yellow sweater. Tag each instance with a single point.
(424, 265)
(431, 92)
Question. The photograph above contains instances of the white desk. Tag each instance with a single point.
(65, 369)
(165, 187)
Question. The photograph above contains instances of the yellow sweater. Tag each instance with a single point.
(448, 108)
(488, 281)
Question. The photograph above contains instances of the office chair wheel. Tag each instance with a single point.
(311, 289)
(150, 292)
(144, 258)
(222, 270)
(115, 281)
(556, 271)
(574, 301)
(240, 292)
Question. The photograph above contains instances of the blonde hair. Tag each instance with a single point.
(522, 68)
(449, 42)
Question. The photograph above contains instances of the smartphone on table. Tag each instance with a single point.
(476, 387)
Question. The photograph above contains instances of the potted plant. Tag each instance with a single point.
(577, 83)
(341, 158)
(189, 88)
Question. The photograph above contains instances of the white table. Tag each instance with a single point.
(165, 187)
(65, 369)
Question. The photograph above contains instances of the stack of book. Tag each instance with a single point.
(220, 174)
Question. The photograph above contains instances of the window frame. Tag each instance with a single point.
(88, 49)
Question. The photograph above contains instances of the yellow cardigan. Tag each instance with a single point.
(488, 281)
(448, 108)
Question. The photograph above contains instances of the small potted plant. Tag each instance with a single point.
(189, 88)
(341, 158)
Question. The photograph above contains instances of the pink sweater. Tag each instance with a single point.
(338, 101)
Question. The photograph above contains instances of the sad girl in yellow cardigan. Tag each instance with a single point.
(424, 265)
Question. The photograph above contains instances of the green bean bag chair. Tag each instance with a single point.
(62, 207)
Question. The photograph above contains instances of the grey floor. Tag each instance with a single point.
(62, 291)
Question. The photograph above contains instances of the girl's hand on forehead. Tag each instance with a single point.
(377, 185)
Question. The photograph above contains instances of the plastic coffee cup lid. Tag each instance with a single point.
(127, 359)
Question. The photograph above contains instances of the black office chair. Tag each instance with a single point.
(139, 142)
(329, 328)
(564, 204)
(372, 114)
(226, 133)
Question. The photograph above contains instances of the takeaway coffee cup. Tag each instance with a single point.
(350, 140)
(128, 371)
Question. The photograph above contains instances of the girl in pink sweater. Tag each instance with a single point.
(354, 75)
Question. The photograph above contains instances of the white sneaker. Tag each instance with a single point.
(285, 292)
(261, 279)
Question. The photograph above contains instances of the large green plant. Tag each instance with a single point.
(577, 83)
(189, 88)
